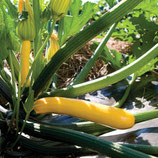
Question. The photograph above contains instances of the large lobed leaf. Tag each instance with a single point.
(149, 5)
(8, 38)
(79, 16)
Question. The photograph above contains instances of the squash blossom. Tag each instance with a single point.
(20, 6)
(59, 8)
(54, 47)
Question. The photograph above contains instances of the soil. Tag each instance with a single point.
(72, 67)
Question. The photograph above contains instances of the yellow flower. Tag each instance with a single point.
(54, 47)
(20, 6)
(59, 8)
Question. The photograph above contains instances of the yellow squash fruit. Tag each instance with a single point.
(26, 32)
(95, 112)
(24, 60)
(54, 47)
(59, 8)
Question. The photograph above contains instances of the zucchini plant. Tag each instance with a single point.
(28, 85)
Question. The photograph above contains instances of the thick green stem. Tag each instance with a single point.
(74, 44)
(61, 25)
(37, 40)
(82, 139)
(54, 150)
(145, 116)
(13, 93)
(5, 91)
(112, 78)
(86, 126)
(18, 103)
(148, 149)
(83, 74)
(1, 116)
(45, 42)
(123, 99)
(61, 150)
(22, 129)
(36, 9)
(15, 64)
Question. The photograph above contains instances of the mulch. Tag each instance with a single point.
(73, 66)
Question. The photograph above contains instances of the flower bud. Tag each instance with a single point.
(54, 47)
(26, 27)
(59, 8)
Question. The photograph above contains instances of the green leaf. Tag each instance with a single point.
(147, 30)
(79, 16)
(147, 67)
(12, 10)
(3, 32)
(142, 21)
(8, 38)
(116, 59)
(149, 5)
(112, 2)
(28, 105)
(43, 4)
(139, 29)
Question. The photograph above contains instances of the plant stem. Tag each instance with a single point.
(36, 9)
(15, 64)
(5, 91)
(86, 126)
(54, 150)
(22, 129)
(45, 42)
(1, 116)
(123, 99)
(18, 101)
(13, 93)
(37, 41)
(74, 44)
(61, 26)
(112, 78)
(82, 139)
(145, 116)
(148, 149)
(13, 76)
(83, 74)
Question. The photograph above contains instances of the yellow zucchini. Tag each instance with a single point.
(24, 60)
(54, 46)
(95, 112)
(26, 32)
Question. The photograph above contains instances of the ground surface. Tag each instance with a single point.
(74, 65)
